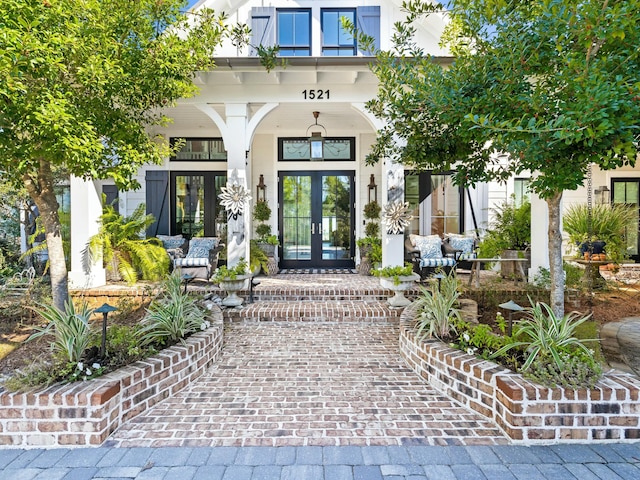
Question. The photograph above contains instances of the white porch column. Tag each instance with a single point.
(86, 208)
(393, 191)
(539, 235)
(235, 141)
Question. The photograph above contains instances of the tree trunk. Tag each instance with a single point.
(555, 255)
(42, 192)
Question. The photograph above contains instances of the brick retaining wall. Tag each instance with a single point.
(86, 413)
(526, 412)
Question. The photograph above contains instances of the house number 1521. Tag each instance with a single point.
(314, 94)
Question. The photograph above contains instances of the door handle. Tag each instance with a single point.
(313, 228)
(319, 228)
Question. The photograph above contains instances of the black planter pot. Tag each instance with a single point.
(596, 247)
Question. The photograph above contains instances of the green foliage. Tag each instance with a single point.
(121, 244)
(509, 230)
(543, 334)
(172, 316)
(478, 340)
(263, 231)
(270, 239)
(223, 272)
(578, 370)
(573, 276)
(123, 346)
(372, 248)
(71, 330)
(607, 223)
(257, 258)
(372, 210)
(437, 307)
(81, 93)
(372, 229)
(261, 211)
(394, 272)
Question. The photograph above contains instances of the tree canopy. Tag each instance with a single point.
(546, 86)
(81, 82)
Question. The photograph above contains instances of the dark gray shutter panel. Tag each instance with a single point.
(369, 24)
(157, 198)
(263, 28)
(111, 196)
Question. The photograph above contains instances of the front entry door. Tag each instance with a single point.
(317, 218)
(626, 191)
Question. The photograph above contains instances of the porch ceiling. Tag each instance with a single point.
(288, 119)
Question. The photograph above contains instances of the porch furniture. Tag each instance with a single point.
(429, 254)
(465, 247)
(201, 259)
(19, 284)
(476, 266)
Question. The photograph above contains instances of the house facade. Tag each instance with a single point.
(296, 137)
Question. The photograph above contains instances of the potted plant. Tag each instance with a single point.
(599, 230)
(258, 259)
(266, 241)
(398, 279)
(509, 235)
(370, 247)
(232, 280)
(124, 251)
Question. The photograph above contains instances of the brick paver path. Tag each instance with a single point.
(295, 384)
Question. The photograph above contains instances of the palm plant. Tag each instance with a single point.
(71, 330)
(438, 310)
(124, 250)
(603, 222)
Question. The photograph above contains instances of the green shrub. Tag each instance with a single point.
(123, 346)
(394, 272)
(510, 230)
(172, 316)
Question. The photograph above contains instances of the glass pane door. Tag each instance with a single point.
(195, 211)
(317, 217)
(627, 191)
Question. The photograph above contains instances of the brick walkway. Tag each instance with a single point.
(299, 383)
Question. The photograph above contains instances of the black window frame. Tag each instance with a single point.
(352, 149)
(294, 47)
(174, 140)
(354, 46)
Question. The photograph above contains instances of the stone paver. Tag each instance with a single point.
(322, 384)
(336, 463)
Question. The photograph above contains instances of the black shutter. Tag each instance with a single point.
(263, 28)
(369, 24)
(157, 198)
(110, 193)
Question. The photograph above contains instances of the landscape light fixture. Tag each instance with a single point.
(512, 307)
(104, 310)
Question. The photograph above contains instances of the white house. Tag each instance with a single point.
(256, 125)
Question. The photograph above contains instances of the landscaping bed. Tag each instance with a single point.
(86, 413)
(525, 411)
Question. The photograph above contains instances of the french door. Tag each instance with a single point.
(316, 218)
(627, 191)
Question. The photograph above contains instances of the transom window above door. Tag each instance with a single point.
(200, 149)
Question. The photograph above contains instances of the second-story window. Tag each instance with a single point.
(335, 40)
(294, 32)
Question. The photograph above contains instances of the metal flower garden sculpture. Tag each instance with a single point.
(396, 216)
(234, 197)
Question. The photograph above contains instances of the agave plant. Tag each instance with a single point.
(437, 307)
(123, 248)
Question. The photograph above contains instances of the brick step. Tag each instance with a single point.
(344, 311)
(325, 294)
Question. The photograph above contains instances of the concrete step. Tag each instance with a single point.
(343, 311)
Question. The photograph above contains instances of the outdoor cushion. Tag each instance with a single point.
(199, 247)
(170, 242)
(437, 262)
(430, 246)
(192, 262)
(463, 243)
